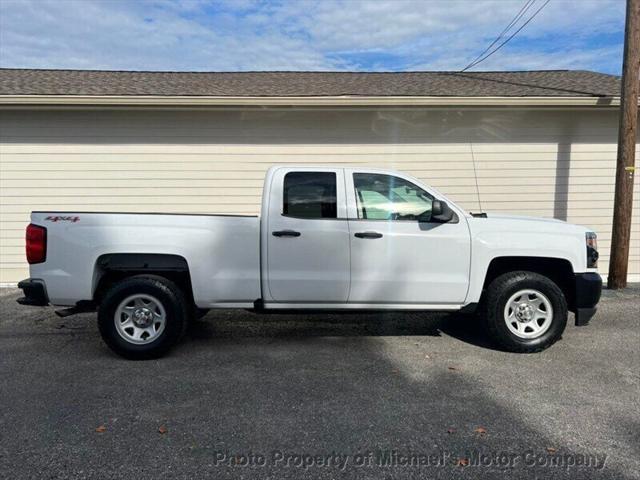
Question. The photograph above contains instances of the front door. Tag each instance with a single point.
(308, 237)
(397, 255)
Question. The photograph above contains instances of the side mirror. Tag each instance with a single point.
(441, 212)
(436, 208)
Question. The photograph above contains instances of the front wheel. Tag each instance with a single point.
(142, 317)
(525, 312)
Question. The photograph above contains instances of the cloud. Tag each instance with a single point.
(305, 35)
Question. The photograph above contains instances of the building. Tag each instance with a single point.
(534, 143)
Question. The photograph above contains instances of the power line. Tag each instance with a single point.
(476, 62)
(517, 17)
(522, 11)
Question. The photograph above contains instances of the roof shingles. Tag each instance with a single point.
(551, 83)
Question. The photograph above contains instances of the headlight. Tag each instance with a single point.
(592, 249)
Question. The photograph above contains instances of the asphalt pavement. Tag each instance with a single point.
(289, 396)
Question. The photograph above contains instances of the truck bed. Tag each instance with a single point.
(222, 251)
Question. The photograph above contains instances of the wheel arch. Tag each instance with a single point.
(559, 270)
(113, 267)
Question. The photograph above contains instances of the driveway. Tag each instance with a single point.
(326, 396)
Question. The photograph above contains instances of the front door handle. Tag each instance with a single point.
(286, 233)
(368, 235)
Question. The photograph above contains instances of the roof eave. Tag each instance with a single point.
(305, 101)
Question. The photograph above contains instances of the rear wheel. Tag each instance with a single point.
(143, 316)
(525, 311)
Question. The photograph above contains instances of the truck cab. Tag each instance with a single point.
(351, 238)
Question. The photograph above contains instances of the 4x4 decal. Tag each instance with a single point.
(58, 218)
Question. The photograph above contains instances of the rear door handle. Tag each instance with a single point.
(368, 235)
(286, 233)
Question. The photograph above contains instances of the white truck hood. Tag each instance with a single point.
(523, 224)
(503, 216)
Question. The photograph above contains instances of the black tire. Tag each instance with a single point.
(170, 297)
(498, 294)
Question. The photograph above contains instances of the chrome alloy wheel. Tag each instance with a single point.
(140, 319)
(528, 314)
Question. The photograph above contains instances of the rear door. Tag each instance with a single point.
(308, 237)
(395, 257)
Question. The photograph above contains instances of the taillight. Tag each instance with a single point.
(36, 244)
(592, 250)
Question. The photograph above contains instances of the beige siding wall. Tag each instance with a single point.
(549, 163)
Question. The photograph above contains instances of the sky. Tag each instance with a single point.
(335, 35)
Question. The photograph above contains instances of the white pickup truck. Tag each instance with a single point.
(328, 239)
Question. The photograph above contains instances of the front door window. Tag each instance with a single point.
(385, 197)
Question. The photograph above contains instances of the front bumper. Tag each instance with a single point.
(588, 291)
(35, 293)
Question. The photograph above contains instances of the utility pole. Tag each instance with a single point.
(623, 203)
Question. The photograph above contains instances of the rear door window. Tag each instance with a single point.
(310, 195)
